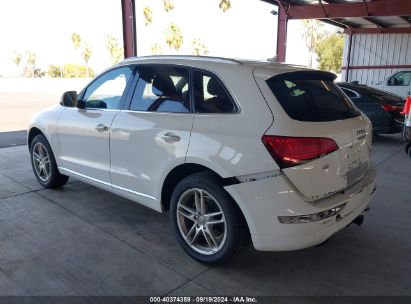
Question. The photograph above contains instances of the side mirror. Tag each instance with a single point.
(69, 99)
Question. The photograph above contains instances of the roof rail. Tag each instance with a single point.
(187, 57)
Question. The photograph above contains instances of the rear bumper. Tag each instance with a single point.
(264, 200)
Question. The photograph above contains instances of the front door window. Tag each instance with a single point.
(106, 91)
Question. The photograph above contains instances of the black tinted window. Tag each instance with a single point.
(162, 89)
(311, 96)
(106, 91)
(210, 95)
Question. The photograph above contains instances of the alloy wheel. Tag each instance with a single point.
(201, 221)
(41, 161)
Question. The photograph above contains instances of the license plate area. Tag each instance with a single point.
(356, 171)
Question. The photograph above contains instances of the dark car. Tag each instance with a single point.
(381, 107)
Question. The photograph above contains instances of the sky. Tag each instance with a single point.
(246, 30)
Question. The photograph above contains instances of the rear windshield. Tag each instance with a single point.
(311, 96)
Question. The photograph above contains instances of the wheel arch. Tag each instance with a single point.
(34, 131)
(183, 170)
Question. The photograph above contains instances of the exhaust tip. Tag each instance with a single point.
(359, 220)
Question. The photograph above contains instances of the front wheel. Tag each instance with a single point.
(44, 164)
(207, 223)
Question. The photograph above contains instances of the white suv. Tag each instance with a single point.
(234, 149)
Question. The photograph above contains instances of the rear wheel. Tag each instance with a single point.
(207, 223)
(44, 164)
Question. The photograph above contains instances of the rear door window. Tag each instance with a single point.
(311, 96)
(210, 94)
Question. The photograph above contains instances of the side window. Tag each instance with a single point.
(161, 89)
(400, 79)
(210, 95)
(106, 91)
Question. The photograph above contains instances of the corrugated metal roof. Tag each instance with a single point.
(367, 20)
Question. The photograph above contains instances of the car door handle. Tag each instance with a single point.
(101, 128)
(170, 137)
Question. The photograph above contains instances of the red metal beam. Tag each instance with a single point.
(386, 30)
(129, 28)
(353, 9)
(378, 67)
(281, 34)
(336, 23)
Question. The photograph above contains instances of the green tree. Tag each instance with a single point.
(31, 59)
(156, 49)
(168, 5)
(312, 33)
(86, 54)
(225, 5)
(85, 49)
(38, 73)
(148, 15)
(115, 51)
(76, 39)
(17, 59)
(174, 37)
(75, 70)
(54, 71)
(329, 50)
(199, 48)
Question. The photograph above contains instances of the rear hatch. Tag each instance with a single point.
(319, 139)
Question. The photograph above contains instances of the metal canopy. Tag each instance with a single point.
(357, 16)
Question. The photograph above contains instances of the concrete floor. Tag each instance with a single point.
(18, 108)
(84, 241)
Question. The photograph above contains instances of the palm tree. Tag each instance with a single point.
(225, 5)
(86, 54)
(168, 5)
(31, 62)
(148, 14)
(115, 51)
(86, 50)
(156, 49)
(17, 59)
(312, 33)
(174, 37)
(199, 48)
(76, 39)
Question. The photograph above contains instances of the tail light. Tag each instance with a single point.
(391, 108)
(293, 151)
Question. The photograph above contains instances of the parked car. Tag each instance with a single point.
(398, 83)
(231, 148)
(382, 108)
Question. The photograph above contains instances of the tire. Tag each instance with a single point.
(408, 149)
(44, 164)
(215, 238)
